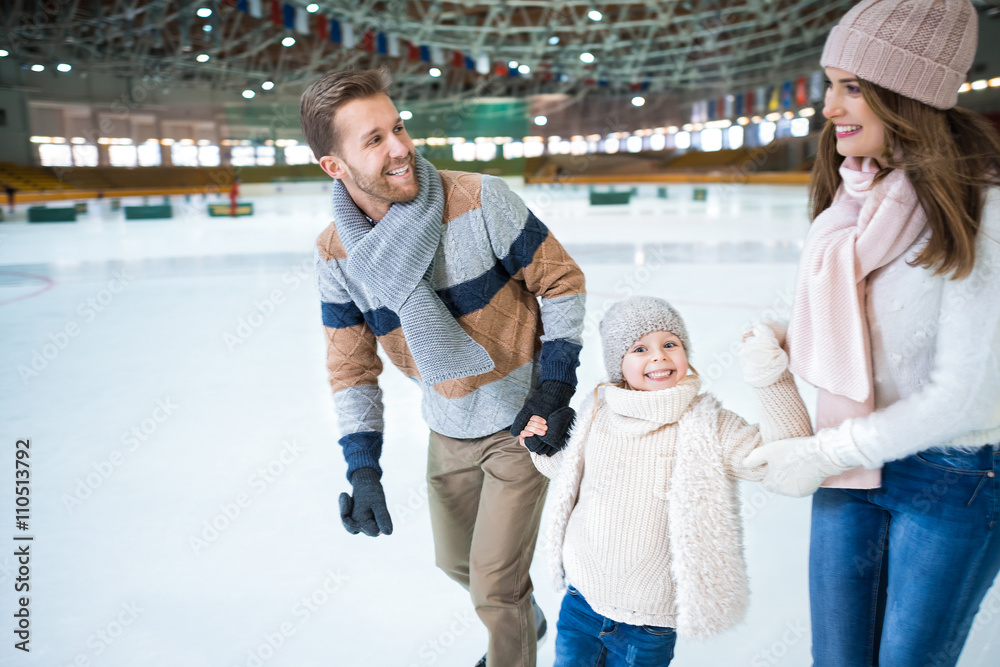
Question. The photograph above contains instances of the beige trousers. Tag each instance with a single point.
(486, 500)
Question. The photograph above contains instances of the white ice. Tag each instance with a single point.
(184, 461)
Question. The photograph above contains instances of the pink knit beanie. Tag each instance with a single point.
(921, 49)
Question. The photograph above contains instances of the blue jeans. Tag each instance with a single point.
(584, 638)
(896, 574)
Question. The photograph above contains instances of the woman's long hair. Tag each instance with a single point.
(950, 157)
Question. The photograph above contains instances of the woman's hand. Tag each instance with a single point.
(535, 426)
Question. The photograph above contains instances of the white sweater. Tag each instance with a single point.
(935, 353)
(644, 512)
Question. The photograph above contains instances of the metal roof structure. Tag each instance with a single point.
(682, 48)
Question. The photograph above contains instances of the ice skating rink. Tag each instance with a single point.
(184, 465)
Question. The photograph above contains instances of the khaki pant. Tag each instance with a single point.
(486, 500)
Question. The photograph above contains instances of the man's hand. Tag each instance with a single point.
(365, 512)
(550, 403)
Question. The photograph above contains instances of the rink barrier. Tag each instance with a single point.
(760, 178)
(52, 214)
(151, 212)
(224, 210)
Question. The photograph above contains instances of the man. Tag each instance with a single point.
(445, 269)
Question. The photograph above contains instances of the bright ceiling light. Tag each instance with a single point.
(312, 8)
(206, 28)
(541, 120)
(288, 41)
(594, 15)
(202, 57)
(267, 85)
(204, 12)
(587, 57)
(64, 67)
(248, 94)
(405, 115)
(512, 64)
(38, 68)
(553, 40)
(524, 69)
(638, 101)
(4, 53)
(434, 72)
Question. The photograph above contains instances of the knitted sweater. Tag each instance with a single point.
(493, 261)
(645, 511)
(935, 346)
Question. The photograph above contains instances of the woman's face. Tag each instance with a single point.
(859, 133)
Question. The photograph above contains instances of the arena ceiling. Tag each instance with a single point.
(682, 48)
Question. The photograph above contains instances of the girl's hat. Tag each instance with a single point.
(627, 321)
(921, 49)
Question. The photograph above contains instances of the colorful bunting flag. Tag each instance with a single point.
(255, 10)
(800, 91)
(288, 14)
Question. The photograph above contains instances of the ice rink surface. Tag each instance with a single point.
(183, 450)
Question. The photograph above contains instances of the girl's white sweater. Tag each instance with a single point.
(935, 353)
(644, 513)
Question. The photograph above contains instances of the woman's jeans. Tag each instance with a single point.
(896, 574)
(584, 638)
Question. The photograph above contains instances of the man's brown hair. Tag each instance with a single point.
(330, 92)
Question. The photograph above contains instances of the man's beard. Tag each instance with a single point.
(379, 186)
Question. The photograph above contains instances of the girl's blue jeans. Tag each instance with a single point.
(896, 574)
(584, 638)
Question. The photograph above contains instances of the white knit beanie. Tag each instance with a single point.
(627, 321)
(921, 49)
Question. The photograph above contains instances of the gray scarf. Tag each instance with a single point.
(392, 260)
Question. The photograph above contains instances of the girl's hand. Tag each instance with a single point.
(535, 426)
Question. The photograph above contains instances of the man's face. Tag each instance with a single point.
(375, 160)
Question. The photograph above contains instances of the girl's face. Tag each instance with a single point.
(859, 133)
(655, 361)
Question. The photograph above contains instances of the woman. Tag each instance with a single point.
(897, 323)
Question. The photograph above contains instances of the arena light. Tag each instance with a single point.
(979, 85)
(207, 27)
(742, 120)
(204, 12)
(312, 8)
(38, 68)
(587, 58)
(267, 85)
(807, 112)
(594, 15)
(64, 67)
(405, 115)
(553, 40)
(964, 88)
(512, 64)
(288, 41)
(4, 52)
(994, 82)
(434, 72)
(773, 117)
(540, 120)
(248, 94)
(638, 101)
(202, 57)
(524, 69)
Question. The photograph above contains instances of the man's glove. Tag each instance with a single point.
(366, 511)
(797, 466)
(550, 402)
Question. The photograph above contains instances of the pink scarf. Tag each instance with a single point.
(828, 339)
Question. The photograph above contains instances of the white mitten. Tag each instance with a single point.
(797, 466)
(761, 357)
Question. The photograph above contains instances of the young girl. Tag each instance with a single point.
(897, 322)
(645, 518)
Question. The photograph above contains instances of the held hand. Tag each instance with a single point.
(366, 511)
(797, 466)
(761, 356)
(550, 403)
(536, 426)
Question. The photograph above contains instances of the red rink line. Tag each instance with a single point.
(49, 284)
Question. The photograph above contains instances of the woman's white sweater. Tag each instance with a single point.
(935, 353)
(644, 517)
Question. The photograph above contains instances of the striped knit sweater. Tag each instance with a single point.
(494, 259)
